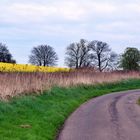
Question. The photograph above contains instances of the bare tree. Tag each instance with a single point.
(78, 54)
(5, 55)
(43, 55)
(102, 55)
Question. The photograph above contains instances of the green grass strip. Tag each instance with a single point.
(40, 117)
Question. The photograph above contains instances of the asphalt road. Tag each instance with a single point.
(111, 117)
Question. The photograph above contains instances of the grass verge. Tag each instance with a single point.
(40, 117)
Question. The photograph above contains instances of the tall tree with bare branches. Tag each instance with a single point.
(102, 55)
(78, 54)
(43, 55)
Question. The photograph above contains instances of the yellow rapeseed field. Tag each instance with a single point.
(8, 67)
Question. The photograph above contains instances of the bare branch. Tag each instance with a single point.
(102, 55)
(78, 54)
(43, 55)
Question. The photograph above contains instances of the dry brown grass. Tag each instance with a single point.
(13, 84)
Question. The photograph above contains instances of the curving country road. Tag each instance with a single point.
(111, 117)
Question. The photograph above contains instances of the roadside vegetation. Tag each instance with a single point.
(40, 117)
(16, 84)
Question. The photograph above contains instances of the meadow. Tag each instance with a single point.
(41, 117)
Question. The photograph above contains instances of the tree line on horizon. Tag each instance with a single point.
(83, 54)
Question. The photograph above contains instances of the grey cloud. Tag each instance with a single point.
(28, 23)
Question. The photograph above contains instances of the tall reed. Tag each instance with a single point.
(14, 84)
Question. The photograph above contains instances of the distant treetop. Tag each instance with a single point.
(43, 55)
(5, 55)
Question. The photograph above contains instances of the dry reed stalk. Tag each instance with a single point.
(14, 84)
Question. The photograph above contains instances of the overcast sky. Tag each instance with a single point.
(28, 23)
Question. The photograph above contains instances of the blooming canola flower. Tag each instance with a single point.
(8, 67)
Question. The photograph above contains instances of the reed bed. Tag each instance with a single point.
(15, 84)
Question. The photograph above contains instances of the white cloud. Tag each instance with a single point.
(133, 7)
(68, 10)
(57, 22)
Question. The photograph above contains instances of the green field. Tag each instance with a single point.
(41, 117)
